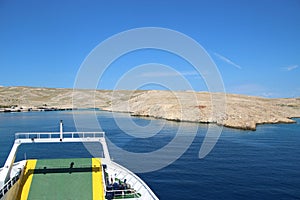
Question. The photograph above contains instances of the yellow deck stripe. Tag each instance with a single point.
(98, 192)
(27, 179)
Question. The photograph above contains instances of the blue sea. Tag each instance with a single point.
(261, 164)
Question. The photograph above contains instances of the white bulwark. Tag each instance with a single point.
(11, 171)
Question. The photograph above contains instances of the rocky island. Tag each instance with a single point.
(230, 110)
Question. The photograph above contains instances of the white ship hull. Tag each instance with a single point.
(109, 179)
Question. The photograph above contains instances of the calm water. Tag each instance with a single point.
(264, 164)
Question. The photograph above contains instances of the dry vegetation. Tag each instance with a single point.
(237, 111)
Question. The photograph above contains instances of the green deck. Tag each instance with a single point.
(56, 179)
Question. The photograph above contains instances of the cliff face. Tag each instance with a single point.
(236, 111)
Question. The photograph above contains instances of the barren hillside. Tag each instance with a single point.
(237, 111)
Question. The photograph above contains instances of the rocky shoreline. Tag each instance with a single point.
(230, 110)
(35, 109)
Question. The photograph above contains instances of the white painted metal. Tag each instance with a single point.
(61, 129)
(138, 184)
(6, 174)
(51, 137)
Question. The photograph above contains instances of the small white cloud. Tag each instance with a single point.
(228, 61)
(169, 74)
(290, 68)
(251, 89)
(268, 94)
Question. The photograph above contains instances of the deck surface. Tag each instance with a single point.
(63, 179)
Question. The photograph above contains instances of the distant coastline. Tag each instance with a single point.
(235, 111)
(38, 109)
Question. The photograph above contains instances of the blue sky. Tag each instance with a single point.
(255, 44)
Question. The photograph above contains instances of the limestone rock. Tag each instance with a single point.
(236, 111)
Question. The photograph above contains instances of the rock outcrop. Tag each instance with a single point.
(236, 111)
